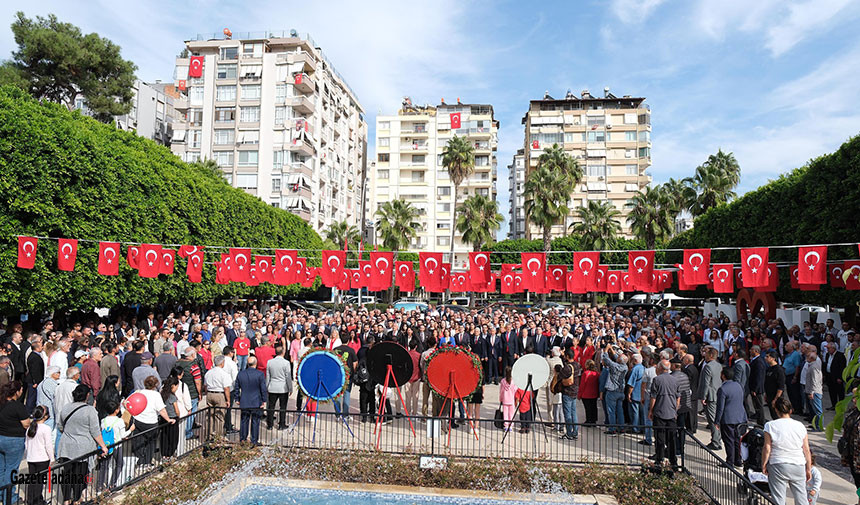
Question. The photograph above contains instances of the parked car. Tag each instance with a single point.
(455, 308)
(409, 306)
(459, 300)
(354, 299)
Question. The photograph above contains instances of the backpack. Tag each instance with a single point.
(556, 386)
(107, 437)
(362, 374)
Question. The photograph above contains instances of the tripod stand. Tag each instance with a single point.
(389, 374)
(320, 385)
(530, 389)
(449, 400)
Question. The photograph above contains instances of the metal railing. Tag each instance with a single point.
(721, 482)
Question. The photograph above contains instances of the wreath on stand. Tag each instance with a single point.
(342, 359)
(449, 358)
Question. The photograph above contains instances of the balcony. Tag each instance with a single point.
(416, 130)
(308, 61)
(180, 103)
(302, 168)
(304, 83)
(301, 146)
(301, 104)
(415, 147)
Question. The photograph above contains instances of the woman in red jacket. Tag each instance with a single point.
(587, 352)
(588, 391)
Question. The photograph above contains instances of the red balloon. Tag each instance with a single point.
(135, 404)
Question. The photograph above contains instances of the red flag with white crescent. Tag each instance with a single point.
(240, 264)
(366, 269)
(836, 272)
(772, 279)
(534, 268)
(194, 267)
(356, 278)
(132, 256)
(640, 267)
(380, 274)
(168, 260)
(108, 258)
(613, 281)
(754, 267)
(285, 267)
(331, 271)
(585, 269)
(723, 278)
(682, 281)
(67, 253)
(795, 279)
(852, 279)
(149, 260)
(812, 265)
(264, 268)
(479, 268)
(556, 277)
(509, 286)
(626, 284)
(195, 66)
(430, 271)
(27, 252)
(697, 264)
(222, 272)
(405, 276)
(445, 277)
(455, 120)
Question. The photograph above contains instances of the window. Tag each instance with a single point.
(443, 207)
(382, 174)
(225, 93)
(246, 181)
(443, 240)
(253, 49)
(596, 120)
(249, 136)
(251, 91)
(384, 125)
(644, 119)
(195, 117)
(223, 158)
(482, 191)
(630, 136)
(644, 152)
(631, 187)
(280, 93)
(252, 71)
(383, 157)
(196, 95)
(418, 159)
(596, 170)
(229, 53)
(225, 114)
(247, 158)
(597, 136)
(226, 71)
(631, 169)
(249, 114)
(574, 137)
(630, 153)
(280, 115)
(629, 118)
(277, 160)
(548, 139)
(417, 176)
(442, 174)
(192, 157)
(276, 184)
(383, 141)
(194, 137)
(443, 191)
(276, 204)
(482, 161)
(229, 178)
(224, 137)
(443, 226)
(645, 136)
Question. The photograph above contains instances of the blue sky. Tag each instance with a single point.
(774, 81)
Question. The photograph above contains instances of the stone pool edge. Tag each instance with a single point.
(233, 489)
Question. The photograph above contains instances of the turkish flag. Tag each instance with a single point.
(711, 280)
(445, 277)
(697, 264)
(149, 261)
(682, 283)
(185, 250)
(356, 278)
(195, 68)
(535, 144)
(518, 282)
(575, 282)
(194, 267)
(253, 280)
(666, 279)
(67, 253)
(585, 269)
(458, 281)
(507, 268)
(812, 265)
(297, 79)
(509, 285)
(430, 271)
(795, 279)
(309, 277)
(108, 258)
(754, 267)
(556, 277)
(264, 268)
(168, 260)
(836, 272)
(345, 279)
(640, 267)
(852, 281)
(455, 120)
(723, 279)
(739, 277)
(240, 264)
(613, 281)
(132, 256)
(284, 268)
(405, 275)
(772, 279)
(366, 269)
(626, 282)
(489, 287)
(479, 268)
(227, 268)
(333, 263)
(380, 274)
(27, 252)
(222, 275)
(534, 266)
(602, 271)
(182, 84)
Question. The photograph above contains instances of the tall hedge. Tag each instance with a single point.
(818, 203)
(65, 175)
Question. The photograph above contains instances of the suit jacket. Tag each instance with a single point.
(742, 374)
(512, 345)
(250, 389)
(279, 377)
(836, 368)
(231, 336)
(758, 369)
(480, 346)
(730, 404)
(541, 344)
(709, 381)
(497, 348)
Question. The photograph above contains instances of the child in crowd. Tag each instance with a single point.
(39, 446)
(813, 486)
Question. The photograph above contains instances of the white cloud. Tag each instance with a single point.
(803, 20)
(829, 89)
(634, 11)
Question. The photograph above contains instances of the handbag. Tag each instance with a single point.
(499, 419)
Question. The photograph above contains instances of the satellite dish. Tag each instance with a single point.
(532, 365)
(294, 33)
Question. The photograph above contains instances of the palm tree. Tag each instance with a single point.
(650, 218)
(680, 193)
(727, 164)
(397, 224)
(556, 158)
(342, 233)
(477, 221)
(598, 225)
(459, 159)
(712, 187)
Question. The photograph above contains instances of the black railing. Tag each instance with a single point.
(721, 482)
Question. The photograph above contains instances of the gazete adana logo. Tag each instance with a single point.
(50, 478)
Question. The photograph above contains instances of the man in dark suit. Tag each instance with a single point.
(251, 393)
(709, 384)
(495, 349)
(730, 414)
(541, 344)
(834, 365)
(233, 333)
(511, 350)
(758, 370)
(35, 373)
(688, 366)
(774, 381)
(524, 342)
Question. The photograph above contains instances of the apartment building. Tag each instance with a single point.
(409, 147)
(151, 115)
(278, 119)
(609, 136)
(516, 181)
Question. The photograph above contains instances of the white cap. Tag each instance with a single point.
(80, 353)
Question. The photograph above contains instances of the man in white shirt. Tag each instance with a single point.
(61, 357)
(218, 386)
(233, 369)
(63, 395)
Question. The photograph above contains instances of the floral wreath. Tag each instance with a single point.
(343, 361)
(476, 363)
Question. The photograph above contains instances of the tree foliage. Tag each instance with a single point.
(477, 221)
(342, 233)
(64, 175)
(598, 225)
(650, 217)
(458, 158)
(818, 203)
(548, 189)
(59, 62)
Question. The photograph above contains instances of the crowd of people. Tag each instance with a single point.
(63, 381)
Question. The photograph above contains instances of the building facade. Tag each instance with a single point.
(409, 147)
(152, 114)
(609, 136)
(278, 119)
(516, 181)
